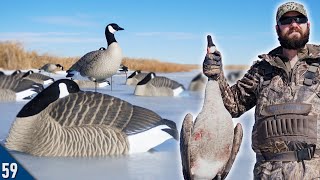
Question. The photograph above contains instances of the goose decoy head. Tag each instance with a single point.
(56, 90)
(27, 73)
(113, 27)
(102, 48)
(16, 72)
(59, 65)
(148, 77)
(134, 74)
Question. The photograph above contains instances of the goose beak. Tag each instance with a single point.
(120, 28)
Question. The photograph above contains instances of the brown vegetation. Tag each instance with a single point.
(13, 56)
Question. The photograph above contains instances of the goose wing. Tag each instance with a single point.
(165, 82)
(185, 135)
(86, 60)
(89, 108)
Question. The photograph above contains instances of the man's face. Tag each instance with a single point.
(293, 35)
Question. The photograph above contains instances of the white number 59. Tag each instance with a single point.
(13, 168)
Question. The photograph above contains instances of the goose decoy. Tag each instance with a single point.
(51, 68)
(37, 77)
(153, 85)
(124, 69)
(135, 78)
(198, 83)
(208, 145)
(100, 64)
(14, 88)
(90, 84)
(64, 121)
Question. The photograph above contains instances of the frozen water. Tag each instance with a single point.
(162, 163)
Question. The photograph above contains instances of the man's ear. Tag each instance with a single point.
(277, 27)
(308, 24)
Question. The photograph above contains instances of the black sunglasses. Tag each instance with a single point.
(288, 20)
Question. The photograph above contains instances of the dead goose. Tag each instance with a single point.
(101, 64)
(198, 83)
(153, 85)
(135, 78)
(209, 145)
(90, 84)
(64, 121)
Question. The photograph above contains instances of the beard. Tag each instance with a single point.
(295, 42)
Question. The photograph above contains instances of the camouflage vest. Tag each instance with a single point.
(288, 103)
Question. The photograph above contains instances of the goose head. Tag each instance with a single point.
(59, 89)
(148, 77)
(59, 65)
(134, 74)
(110, 30)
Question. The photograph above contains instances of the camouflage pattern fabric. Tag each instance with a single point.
(287, 170)
(290, 6)
(271, 81)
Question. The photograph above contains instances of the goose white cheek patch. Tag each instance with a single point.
(63, 90)
(110, 28)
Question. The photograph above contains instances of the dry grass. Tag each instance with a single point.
(14, 56)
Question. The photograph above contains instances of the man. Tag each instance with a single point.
(284, 85)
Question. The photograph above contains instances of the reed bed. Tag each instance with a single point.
(13, 56)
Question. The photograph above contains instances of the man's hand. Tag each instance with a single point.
(212, 65)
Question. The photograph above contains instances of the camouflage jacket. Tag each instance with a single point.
(271, 81)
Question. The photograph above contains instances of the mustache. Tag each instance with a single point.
(294, 29)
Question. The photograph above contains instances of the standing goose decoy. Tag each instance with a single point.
(100, 64)
(51, 68)
(208, 145)
(153, 85)
(135, 78)
(198, 83)
(64, 121)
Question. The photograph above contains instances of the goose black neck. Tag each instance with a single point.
(110, 37)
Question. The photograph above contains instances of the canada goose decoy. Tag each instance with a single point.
(208, 145)
(13, 88)
(90, 84)
(153, 85)
(36, 77)
(51, 68)
(100, 64)
(135, 78)
(124, 69)
(198, 83)
(64, 121)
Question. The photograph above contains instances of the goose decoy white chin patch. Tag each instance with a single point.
(63, 90)
(111, 30)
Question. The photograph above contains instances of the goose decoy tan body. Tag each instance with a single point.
(135, 77)
(198, 83)
(208, 145)
(90, 84)
(153, 85)
(51, 68)
(100, 64)
(14, 88)
(64, 121)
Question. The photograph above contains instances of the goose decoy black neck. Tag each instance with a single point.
(150, 76)
(109, 32)
(56, 90)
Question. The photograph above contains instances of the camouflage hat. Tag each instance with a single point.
(290, 6)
